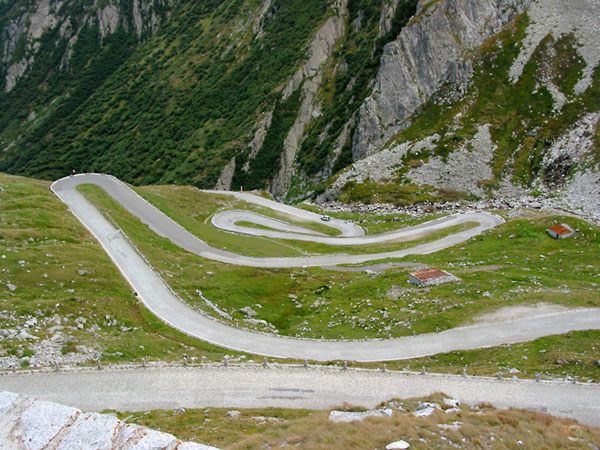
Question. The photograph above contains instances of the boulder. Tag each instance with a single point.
(352, 416)
(28, 423)
(426, 409)
(397, 445)
(25, 336)
(248, 311)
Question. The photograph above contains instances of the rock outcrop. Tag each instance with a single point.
(224, 181)
(552, 17)
(464, 168)
(425, 53)
(309, 77)
(27, 423)
(424, 65)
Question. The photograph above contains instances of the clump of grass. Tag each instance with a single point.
(398, 193)
(480, 426)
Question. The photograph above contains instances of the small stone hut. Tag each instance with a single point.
(561, 231)
(426, 277)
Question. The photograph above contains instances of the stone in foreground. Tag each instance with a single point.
(30, 424)
(402, 445)
(429, 276)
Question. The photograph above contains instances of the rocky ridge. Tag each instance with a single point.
(552, 17)
(28, 423)
(464, 168)
(21, 36)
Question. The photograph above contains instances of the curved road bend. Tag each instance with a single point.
(169, 308)
(248, 387)
(228, 221)
(347, 229)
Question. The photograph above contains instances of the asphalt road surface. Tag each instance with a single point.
(228, 221)
(243, 387)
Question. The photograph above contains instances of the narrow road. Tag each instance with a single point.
(257, 387)
(157, 296)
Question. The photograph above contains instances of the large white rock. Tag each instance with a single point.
(426, 409)
(92, 431)
(41, 422)
(28, 424)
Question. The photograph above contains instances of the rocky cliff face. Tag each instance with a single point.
(310, 77)
(425, 54)
(509, 116)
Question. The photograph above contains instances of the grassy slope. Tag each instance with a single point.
(42, 248)
(193, 209)
(480, 426)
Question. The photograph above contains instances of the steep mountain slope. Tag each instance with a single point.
(442, 99)
(518, 114)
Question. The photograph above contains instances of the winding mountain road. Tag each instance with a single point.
(157, 296)
(66, 190)
(228, 221)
